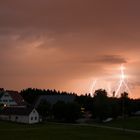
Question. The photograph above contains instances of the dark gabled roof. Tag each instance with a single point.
(52, 99)
(16, 111)
(1, 93)
(16, 97)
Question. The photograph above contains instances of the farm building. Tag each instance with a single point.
(11, 98)
(20, 115)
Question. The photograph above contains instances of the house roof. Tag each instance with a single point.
(16, 111)
(16, 97)
(52, 99)
(1, 93)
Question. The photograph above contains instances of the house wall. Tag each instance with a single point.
(15, 118)
(4, 117)
(33, 117)
(7, 99)
(19, 118)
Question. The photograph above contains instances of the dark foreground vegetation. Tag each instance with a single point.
(51, 131)
(129, 123)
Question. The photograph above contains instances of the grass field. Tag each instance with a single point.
(51, 131)
(129, 123)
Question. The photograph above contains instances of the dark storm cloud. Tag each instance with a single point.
(69, 15)
(113, 59)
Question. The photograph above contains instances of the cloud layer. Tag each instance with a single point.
(66, 44)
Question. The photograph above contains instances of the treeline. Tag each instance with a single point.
(31, 94)
(100, 107)
(60, 111)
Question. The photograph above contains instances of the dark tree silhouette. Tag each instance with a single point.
(59, 110)
(72, 112)
(68, 112)
(101, 104)
(44, 109)
(31, 94)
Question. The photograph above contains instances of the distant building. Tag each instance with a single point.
(20, 115)
(52, 99)
(11, 98)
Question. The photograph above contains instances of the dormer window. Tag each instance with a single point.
(6, 95)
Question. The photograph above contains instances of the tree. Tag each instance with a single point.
(68, 112)
(72, 112)
(126, 104)
(44, 109)
(85, 102)
(101, 105)
(59, 110)
(114, 107)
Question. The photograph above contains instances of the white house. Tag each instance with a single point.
(20, 115)
(11, 98)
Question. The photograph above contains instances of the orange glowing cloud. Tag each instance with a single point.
(66, 44)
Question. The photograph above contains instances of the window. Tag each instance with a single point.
(11, 100)
(35, 118)
(6, 95)
(4, 100)
(31, 118)
(16, 118)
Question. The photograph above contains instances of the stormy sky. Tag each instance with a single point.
(68, 44)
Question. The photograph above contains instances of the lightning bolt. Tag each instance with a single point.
(122, 81)
(93, 87)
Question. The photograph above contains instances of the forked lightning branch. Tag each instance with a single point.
(120, 87)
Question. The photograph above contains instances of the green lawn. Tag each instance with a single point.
(51, 131)
(129, 123)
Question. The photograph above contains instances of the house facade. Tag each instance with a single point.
(15, 109)
(20, 115)
(11, 98)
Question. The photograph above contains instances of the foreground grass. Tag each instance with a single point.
(51, 131)
(129, 123)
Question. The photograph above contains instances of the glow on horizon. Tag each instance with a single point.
(122, 82)
(111, 86)
(93, 87)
